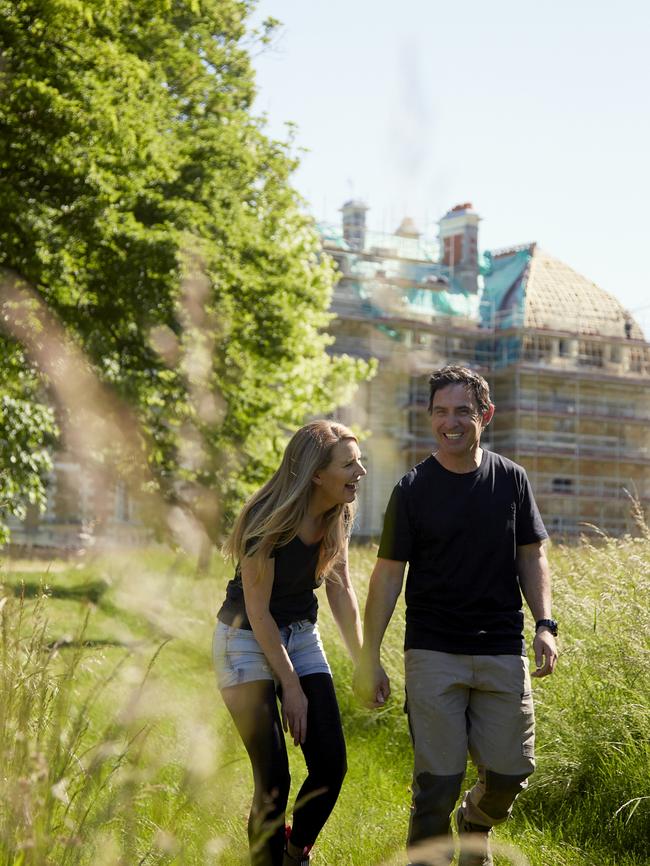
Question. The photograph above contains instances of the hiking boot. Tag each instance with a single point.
(477, 842)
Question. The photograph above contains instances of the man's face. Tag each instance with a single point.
(457, 421)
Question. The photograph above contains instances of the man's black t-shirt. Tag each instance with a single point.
(459, 533)
(292, 595)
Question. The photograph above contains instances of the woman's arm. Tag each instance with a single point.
(345, 609)
(257, 595)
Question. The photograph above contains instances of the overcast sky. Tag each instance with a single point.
(537, 113)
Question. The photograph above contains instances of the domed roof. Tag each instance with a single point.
(530, 287)
(559, 298)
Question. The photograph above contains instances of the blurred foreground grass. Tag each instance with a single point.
(115, 748)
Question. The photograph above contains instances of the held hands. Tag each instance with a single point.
(371, 684)
(294, 710)
(545, 653)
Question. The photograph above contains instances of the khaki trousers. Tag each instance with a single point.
(459, 705)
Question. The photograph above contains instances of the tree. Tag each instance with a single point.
(145, 205)
(27, 430)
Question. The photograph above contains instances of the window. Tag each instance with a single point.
(590, 354)
(562, 485)
(537, 348)
(636, 361)
(419, 390)
(565, 425)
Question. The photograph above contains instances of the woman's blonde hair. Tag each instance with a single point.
(271, 516)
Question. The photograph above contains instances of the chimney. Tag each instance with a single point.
(459, 246)
(354, 224)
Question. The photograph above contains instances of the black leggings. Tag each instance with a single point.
(254, 709)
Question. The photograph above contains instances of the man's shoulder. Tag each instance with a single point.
(422, 471)
(504, 464)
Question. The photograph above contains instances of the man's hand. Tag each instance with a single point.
(545, 653)
(371, 685)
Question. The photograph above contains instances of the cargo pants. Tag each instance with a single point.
(457, 705)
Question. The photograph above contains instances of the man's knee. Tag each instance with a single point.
(433, 799)
(499, 793)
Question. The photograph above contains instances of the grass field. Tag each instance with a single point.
(115, 748)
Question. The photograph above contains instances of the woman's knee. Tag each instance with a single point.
(338, 769)
(271, 795)
(329, 767)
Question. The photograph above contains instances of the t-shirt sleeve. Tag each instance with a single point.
(397, 534)
(530, 526)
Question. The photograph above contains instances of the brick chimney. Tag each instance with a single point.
(458, 233)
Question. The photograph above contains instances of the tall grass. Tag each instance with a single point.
(103, 758)
(115, 748)
(593, 781)
(589, 800)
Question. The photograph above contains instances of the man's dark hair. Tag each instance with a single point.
(453, 375)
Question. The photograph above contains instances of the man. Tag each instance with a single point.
(466, 522)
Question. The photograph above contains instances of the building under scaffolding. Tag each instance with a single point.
(568, 366)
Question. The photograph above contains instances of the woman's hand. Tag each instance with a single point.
(294, 710)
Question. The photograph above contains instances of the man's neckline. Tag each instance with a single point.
(461, 472)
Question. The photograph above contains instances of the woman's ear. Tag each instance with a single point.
(316, 478)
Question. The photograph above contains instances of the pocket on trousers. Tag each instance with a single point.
(528, 725)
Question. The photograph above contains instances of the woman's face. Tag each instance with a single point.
(339, 481)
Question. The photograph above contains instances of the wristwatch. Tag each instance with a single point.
(550, 624)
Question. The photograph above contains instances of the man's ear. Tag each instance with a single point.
(488, 415)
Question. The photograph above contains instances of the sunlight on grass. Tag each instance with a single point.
(116, 748)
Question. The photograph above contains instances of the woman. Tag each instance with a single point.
(290, 537)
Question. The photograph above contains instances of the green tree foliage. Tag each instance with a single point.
(27, 428)
(145, 204)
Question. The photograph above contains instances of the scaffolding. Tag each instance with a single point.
(568, 367)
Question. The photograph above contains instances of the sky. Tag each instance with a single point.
(537, 113)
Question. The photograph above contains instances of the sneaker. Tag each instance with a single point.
(478, 852)
(301, 859)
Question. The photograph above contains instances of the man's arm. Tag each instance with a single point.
(535, 581)
(371, 684)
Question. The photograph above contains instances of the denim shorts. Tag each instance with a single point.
(238, 658)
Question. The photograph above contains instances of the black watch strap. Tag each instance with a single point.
(550, 624)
